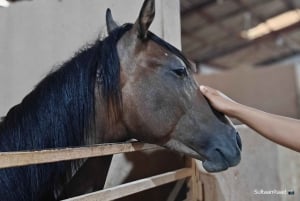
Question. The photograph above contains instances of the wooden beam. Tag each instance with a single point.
(135, 187)
(198, 7)
(249, 9)
(289, 4)
(218, 22)
(194, 193)
(231, 14)
(15, 159)
(212, 20)
(217, 65)
(193, 36)
(245, 43)
(232, 49)
(277, 59)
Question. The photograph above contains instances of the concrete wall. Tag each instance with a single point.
(37, 35)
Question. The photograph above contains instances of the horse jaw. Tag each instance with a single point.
(176, 145)
(208, 165)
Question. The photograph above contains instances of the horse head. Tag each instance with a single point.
(162, 103)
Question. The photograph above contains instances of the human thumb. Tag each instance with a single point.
(203, 89)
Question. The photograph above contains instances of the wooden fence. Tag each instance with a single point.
(16, 159)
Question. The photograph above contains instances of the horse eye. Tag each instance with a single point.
(181, 72)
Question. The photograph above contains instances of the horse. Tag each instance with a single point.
(129, 85)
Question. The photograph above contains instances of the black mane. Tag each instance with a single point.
(61, 108)
(57, 113)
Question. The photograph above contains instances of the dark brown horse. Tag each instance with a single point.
(131, 84)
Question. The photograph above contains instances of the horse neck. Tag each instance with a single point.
(51, 116)
(61, 111)
(57, 113)
(105, 129)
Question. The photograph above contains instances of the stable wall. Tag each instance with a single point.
(38, 35)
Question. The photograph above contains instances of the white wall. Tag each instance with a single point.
(36, 35)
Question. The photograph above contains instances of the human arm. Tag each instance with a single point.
(282, 130)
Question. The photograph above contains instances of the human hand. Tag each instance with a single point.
(219, 101)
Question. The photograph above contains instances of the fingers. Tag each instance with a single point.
(208, 90)
(213, 94)
(203, 89)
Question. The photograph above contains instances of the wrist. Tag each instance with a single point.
(235, 110)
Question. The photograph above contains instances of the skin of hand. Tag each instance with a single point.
(281, 130)
(219, 101)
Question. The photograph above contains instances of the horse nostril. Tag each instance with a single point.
(238, 140)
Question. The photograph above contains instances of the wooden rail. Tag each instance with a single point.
(135, 186)
(15, 159)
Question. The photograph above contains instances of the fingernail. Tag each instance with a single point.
(203, 88)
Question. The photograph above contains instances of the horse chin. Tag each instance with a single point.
(180, 147)
(212, 164)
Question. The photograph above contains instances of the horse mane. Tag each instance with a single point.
(59, 111)
(169, 47)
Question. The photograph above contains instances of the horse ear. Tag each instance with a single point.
(145, 18)
(110, 22)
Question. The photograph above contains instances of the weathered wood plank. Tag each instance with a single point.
(195, 191)
(135, 187)
(14, 159)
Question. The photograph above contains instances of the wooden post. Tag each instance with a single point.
(195, 190)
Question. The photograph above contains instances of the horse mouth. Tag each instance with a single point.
(219, 162)
(216, 165)
(210, 166)
(214, 162)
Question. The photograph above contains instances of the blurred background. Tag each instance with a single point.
(229, 34)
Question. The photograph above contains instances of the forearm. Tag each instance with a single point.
(281, 130)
